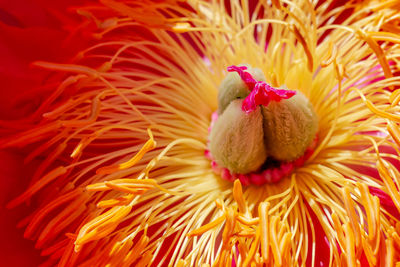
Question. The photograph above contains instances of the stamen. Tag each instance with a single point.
(352, 215)
(274, 241)
(367, 200)
(207, 227)
(284, 245)
(124, 200)
(230, 222)
(181, 27)
(264, 225)
(247, 221)
(238, 196)
(136, 251)
(136, 183)
(394, 131)
(31, 136)
(56, 112)
(40, 215)
(60, 89)
(155, 20)
(378, 52)
(92, 117)
(331, 57)
(101, 226)
(146, 259)
(395, 97)
(246, 233)
(254, 247)
(350, 243)
(390, 252)
(277, 3)
(375, 110)
(149, 145)
(67, 68)
(387, 179)
(300, 38)
(37, 186)
(371, 258)
(127, 188)
(181, 263)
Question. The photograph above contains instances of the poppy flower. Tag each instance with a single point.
(125, 133)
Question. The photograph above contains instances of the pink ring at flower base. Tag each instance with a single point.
(265, 176)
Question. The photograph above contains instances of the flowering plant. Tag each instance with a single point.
(121, 131)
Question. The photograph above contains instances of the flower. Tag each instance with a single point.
(124, 180)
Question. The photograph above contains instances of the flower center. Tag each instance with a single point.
(260, 133)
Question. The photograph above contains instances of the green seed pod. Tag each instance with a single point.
(289, 127)
(237, 139)
(232, 87)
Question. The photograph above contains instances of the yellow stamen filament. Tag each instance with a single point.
(339, 230)
(276, 3)
(285, 244)
(389, 253)
(127, 188)
(387, 179)
(395, 97)
(352, 215)
(253, 249)
(385, 36)
(181, 27)
(238, 196)
(350, 243)
(124, 253)
(378, 51)
(181, 263)
(230, 222)
(367, 200)
(101, 226)
(394, 131)
(136, 183)
(378, 112)
(368, 253)
(331, 57)
(137, 249)
(115, 202)
(149, 145)
(207, 227)
(264, 225)
(300, 38)
(274, 241)
(246, 233)
(247, 221)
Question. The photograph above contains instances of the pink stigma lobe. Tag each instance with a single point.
(261, 92)
(246, 77)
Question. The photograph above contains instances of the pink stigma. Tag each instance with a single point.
(246, 77)
(261, 92)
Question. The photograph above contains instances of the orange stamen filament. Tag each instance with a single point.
(149, 145)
